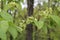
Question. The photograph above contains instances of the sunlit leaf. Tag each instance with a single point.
(13, 31)
(3, 29)
(4, 26)
(39, 24)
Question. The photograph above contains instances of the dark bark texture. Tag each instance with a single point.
(30, 9)
(29, 27)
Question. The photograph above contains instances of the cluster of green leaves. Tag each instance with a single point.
(51, 21)
(46, 19)
(7, 26)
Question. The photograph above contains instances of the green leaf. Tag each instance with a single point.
(6, 16)
(56, 19)
(4, 26)
(13, 31)
(36, 23)
(12, 5)
(39, 24)
(44, 29)
(3, 36)
(19, 29)
(3, 29)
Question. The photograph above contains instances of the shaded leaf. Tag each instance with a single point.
(56, 19)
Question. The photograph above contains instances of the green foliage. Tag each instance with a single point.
(56, 19)
(3, 29)
(4, 26)
(12, 30)
(39, 24)
(6, 16)
(48, 18)
(6, 22)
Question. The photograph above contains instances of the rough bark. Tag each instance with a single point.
(29, 27)
(30, 9)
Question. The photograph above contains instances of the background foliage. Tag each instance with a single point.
(13, 20)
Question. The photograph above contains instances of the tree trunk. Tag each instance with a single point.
(30, 9)
(49, 38)
(29, 27)
(1, 5)
(48, 29)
